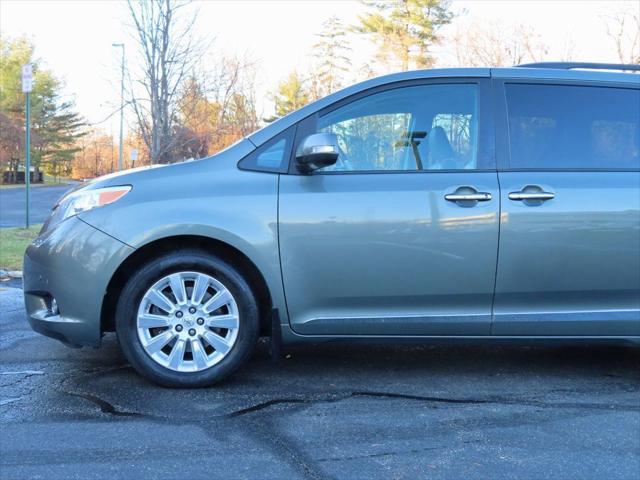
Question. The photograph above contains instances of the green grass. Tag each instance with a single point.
(33, 185)
(48, 181)
(13, 243)
(51, 180)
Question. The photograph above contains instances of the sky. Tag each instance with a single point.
(74, 37)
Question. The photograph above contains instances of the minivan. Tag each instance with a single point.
(480, 204)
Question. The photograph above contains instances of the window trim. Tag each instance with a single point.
(288, 134)
(485, 148)
(503, 135)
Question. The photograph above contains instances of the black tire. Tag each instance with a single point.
(145, 277)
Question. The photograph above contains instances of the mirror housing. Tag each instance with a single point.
(316, 151)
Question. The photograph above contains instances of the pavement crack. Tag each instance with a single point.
(267, 404)
(267, 432)
(428, 399)
(381, 454)
(106, 407)
(296, 401)
(8, 401)
(465, 401)
(25, 374)
(103, 370)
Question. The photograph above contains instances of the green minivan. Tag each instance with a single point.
(434, 205)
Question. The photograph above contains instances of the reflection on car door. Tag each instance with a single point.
(400, 236)
(569, 256)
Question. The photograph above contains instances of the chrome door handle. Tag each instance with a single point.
(531, 196)
(468, 197)
(531, 193)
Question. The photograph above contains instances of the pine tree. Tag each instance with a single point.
(56, 127)
(290, 95)
(405, 30)
(332, 60)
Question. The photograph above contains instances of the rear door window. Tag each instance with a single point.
(573, 127)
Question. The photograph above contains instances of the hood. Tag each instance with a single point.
(227, 158)
(111, 179)
(123, 173)
(160, 181)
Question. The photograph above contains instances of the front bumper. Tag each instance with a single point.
(73, 264)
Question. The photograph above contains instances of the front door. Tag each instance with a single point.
(400, 236)
(569, 261)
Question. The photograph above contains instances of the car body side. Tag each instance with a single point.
(209, 199)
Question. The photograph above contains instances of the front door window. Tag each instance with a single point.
(427, 127)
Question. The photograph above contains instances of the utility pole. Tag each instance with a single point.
(111, 148)
(27, 86)
(95, 146)
(121, 45)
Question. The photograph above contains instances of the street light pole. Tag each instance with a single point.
(121, 45)
(27, 163)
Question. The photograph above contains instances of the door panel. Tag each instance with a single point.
(569, 257)
(386, 254)
(571, 265)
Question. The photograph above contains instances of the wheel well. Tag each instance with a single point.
(230, 254)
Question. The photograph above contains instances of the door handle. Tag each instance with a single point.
(468, 197)
(531, 193)
(531, 196)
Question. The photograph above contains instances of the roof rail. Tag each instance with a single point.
(585, 65)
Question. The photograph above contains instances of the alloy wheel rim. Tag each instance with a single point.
(188, 321)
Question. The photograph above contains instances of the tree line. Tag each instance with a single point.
(56, 126)
(186, 108)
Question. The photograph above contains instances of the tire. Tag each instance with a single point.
(186, 367)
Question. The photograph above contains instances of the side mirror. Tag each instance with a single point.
(316, 151)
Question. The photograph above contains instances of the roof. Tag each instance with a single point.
(261, 136)
(567, 71)
(547, 71)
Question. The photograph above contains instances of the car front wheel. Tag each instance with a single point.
(187, 319)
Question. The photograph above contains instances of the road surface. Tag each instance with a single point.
(42, 198)
(331, 411)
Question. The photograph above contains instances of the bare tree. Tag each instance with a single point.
(231, 85)
(496, 45)
(623, 27)
(163, 33)
(216, 107)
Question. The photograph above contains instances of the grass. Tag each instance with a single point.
(48, 181)
(13, 243)
(51, 180)
(33, 185)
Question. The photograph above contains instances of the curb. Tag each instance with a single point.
(6, 275)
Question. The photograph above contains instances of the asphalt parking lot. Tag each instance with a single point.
(331, 411)
(41, 199)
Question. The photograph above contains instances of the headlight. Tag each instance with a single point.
(84, 200)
